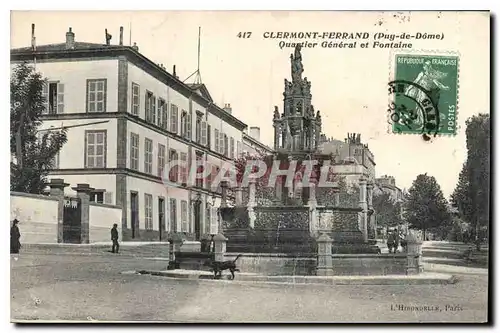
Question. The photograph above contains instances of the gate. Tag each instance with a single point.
(72, 220)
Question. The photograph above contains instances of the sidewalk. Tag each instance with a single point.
(134, 249)
(421, 279)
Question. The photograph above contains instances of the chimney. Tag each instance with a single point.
(255, 132)
(174, 73)
(33, 38)
(135, 47)
(227, 108)
(121, 36)
(70, 39)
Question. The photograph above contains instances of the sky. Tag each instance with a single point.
(349, 86)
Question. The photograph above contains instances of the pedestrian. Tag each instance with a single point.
(114, 238)
(15, 235)
(403, 242)
(391, 241)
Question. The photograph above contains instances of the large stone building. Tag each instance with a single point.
(126, 117)
(352, 158)
(387, 184)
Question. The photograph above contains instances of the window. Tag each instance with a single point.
(165, 116)
(135, 99)
(161, 159)
(209, 136)
(134, 151)
(95, 149)
(173, 214)
(199, 169)
(209, 176)
(148, 211)
(184, 216)
(173, 175)
(96, 95)
(198, 128)
(203, 133)
(221, 143)
(216, 140)
(226, 146)
(208, 215)
(53, 93)
(183, 123)
(189, 125)
(184, 168)
(231, 148)
(150, 107)
(97, 196)
(173, 118)
(148, 156)
(161, 114)
(219, 188)
(238, 149)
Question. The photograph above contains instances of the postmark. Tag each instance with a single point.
(424, 94)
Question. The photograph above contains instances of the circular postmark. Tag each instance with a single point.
(413, 109)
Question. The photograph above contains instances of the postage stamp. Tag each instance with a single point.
(424, 94)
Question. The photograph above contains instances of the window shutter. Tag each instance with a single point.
(147, 106)
(45, 94)
(204, 133)
(216, 140)
(189, 126)
(108, 198)
(221, 143)
(60, 98)
(153, 109)
(165, 116)
(160, 112)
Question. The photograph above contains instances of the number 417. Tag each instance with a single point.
(244, 34)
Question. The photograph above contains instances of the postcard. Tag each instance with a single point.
(250, 166)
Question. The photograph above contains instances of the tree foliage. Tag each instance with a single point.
(33, 152)
(388, 210)
(425, 206)
(472, 193)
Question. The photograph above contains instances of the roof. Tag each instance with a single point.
(256, 142)
(62, 47)
(201, 89)
(199, 92)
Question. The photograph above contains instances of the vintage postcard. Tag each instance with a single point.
(250, 166)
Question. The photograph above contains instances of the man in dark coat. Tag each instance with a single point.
(15, 244)
(114, 238)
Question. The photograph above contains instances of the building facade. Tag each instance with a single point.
(126, 117)
(352, 158)
(387, 184)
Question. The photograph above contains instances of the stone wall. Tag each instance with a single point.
(274, 264)
(101, 220)
(369, 264)
(37, 216)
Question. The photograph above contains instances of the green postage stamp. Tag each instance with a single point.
(424, 92)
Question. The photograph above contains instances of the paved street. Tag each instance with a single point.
(91, 287)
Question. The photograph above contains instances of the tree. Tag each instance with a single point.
(425, 206)
(471, 196)
(32, 151)
(388, 210)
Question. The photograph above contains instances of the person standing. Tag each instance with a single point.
(114, 238)
(15, 235)
(391, 241)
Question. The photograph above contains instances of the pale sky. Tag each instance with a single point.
(349, 86)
